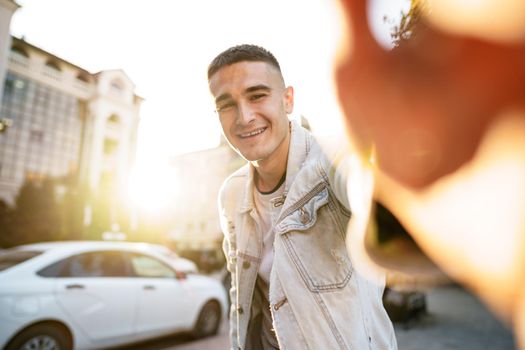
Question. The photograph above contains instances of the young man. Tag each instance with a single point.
(284, 217)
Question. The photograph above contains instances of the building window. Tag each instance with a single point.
(83, 77)
(82, 81)
(36, 136)
(110, 146)
(20, 84)
(52, 70)
(53, 65)
(114, 119)
(9, 85)
(19, 56)
(116, 86)
(19, 51)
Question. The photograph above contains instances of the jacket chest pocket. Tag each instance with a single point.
(314, 241)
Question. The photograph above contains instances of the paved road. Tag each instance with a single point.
(455, 320)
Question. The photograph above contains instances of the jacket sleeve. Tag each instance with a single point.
(229, 249)
(349, 175)
(336, 165)
(351, 178)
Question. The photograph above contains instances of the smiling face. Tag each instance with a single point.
(252, 103)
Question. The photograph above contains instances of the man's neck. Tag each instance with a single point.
(267, 181)
(268, 172)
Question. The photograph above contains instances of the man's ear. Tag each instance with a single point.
(288, 100)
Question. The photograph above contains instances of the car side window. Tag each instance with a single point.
(53, 270)
(147, 266)
(13, 257)
(92, 264)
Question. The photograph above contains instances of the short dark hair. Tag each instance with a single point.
(239, 53)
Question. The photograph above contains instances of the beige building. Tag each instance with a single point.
(7, 9)
(60, 119)
(195, 219)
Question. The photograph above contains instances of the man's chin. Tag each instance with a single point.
(248, 156)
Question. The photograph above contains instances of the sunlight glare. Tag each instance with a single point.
(151, 187)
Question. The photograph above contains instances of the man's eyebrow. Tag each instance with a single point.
(248, 90)
(222, 97)
(256, 88)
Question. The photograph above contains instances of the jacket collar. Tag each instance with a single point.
(299, 148)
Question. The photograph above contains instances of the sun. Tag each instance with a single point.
(152, 187)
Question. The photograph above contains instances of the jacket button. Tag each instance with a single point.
(246, 264)
(304, 218)
(240, 310)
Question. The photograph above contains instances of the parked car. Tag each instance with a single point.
(207, 260)
(181, 264)
(404, 306)
(88, 295)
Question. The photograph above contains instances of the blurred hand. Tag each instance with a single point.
(445, 114)
(427, 104)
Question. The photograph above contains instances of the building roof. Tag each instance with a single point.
(23, 42)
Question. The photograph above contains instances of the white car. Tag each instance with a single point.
(88, 295)
(181, 264)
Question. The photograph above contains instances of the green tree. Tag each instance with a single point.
(46, 210)
(409, 20)
(6, 225)
(33, 217)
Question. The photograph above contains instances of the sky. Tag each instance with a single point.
(165, 47)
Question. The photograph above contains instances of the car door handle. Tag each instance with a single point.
(148, 287)
(75, 286)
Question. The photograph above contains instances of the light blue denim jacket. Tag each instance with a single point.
(317, 299)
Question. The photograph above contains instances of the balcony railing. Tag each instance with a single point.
(19, 60)
(52, 73)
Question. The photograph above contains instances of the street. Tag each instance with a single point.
(455, 320)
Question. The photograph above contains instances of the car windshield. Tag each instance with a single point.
(12, 257)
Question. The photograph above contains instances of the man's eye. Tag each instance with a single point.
(257, 97)
(225, 106)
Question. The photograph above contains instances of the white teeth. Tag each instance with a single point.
(253, 133)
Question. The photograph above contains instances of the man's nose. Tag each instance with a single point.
(245, 114)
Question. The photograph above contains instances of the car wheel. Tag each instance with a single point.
(208, 321)
(42, 336)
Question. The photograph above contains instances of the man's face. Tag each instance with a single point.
(252, 103)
